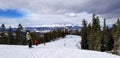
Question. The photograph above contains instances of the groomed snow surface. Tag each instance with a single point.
(62, 48)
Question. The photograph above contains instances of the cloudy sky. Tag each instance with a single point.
(40, 12)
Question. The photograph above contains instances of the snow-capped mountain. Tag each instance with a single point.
(58, 25)
(53, 27)
(47, 28)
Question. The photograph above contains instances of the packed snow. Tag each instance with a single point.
(67, 47)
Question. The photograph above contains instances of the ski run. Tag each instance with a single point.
(67, 47)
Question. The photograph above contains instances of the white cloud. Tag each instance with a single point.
(33, 19)
(57, 18)
(55, 11)
(9, 22)
(44, 6)
(62, 6)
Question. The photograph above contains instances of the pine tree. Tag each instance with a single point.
(10, 36)
(98, 35)
(18, 34)
(84, 44)
(90, 37)
(3, 34)
(95, 34)
(116, 36)
(107, 41)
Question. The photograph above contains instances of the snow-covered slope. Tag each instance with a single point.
(63, 48)
(69, 41)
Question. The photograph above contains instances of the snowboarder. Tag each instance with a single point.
(29, 39)
(36, 42)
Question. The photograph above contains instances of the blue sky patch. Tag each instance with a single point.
(11, 13)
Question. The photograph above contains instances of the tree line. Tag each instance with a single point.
(95, 37)
(19, 36)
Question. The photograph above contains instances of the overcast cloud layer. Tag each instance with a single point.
(69, 11)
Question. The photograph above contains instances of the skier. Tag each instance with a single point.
(36, 42)
(29, 39)
(42, 37)
(44, 41)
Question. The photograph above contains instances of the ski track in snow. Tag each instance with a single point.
(55, 49)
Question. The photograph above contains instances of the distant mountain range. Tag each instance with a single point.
(46, 28)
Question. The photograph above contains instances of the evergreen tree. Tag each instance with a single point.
(10, 36)
(18, 34)
(90, 37)
(3, 34)
(98, 35)
(95, 36)
(107, 41)
(116, 36)
(65, 32)
(84, 44)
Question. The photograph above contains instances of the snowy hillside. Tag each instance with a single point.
(63, 48)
